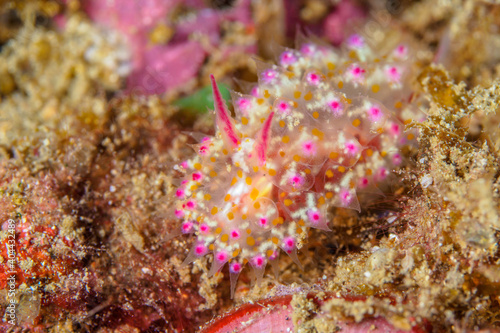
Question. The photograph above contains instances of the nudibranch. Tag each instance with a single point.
(319, 128)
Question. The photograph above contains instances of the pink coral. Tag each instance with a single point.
(166, 67)
(301, 145)
(340, 19)
(160, 68)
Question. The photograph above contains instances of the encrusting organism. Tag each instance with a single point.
(319, 128)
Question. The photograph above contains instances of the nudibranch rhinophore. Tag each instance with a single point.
(320, 127)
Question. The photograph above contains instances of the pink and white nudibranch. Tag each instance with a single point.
(321, 126)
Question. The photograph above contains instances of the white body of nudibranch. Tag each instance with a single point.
(319, 127)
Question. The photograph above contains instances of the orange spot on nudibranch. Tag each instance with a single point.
(250, 241)
(254, 194)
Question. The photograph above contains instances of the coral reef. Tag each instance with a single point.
(473, 59)
(47, 75)
(88, 186)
